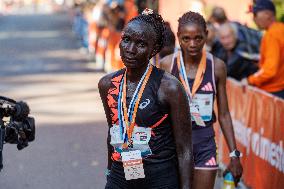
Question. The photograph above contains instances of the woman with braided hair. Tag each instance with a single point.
(204, 78)
(149, 138)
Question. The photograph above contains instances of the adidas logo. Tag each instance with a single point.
(207, 87)
(211, 162)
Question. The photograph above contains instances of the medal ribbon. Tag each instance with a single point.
(135, 95)
(157, 62)
(119, 109)
(130, 123)
(131, 105)
(199, 75)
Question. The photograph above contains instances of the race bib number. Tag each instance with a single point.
(202, 105)
(133, 165)
(115, 134)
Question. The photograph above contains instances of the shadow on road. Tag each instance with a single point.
(63, 156)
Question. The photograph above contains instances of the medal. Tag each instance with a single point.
(129, 115)
(197, 82)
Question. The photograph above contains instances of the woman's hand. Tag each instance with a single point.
(235, 167)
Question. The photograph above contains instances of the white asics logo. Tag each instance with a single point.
(144, 104)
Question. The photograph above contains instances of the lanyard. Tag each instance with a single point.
(129, 115)
(119, 109)
(199, 75)
(135, 95)
(157, 62)
(131, 105)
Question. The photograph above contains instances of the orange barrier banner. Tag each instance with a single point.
(259, 130)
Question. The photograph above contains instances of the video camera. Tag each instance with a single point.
(19, 129)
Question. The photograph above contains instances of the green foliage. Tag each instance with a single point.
(279, 9)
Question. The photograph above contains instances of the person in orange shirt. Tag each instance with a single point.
(131, 10)
(270, 76)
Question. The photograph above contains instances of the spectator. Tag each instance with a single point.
(117, 17)
(245, 34)
(218, 16)
(232, 52)
(212, 42)
(269, 77)
(141, 5)
(131, 10)
(100, 18)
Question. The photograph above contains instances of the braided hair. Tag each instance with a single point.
(157, 23)
(192, 17)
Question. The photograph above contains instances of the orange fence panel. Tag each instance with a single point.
(259, 130)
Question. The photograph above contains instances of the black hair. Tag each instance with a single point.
(157, 23)
(170, 36)
(192, 17)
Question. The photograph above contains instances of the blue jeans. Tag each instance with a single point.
(157, 176)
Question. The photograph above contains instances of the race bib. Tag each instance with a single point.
(115, 134)
(202, 106)
(141, 137)
(195, 116)
(132, 165)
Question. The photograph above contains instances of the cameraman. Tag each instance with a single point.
(20, 129)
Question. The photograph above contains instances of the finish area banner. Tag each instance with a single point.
(258, 120)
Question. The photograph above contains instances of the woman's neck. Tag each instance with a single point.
(191, 60)
(135, 74)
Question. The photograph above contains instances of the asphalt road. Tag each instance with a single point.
(40, 63)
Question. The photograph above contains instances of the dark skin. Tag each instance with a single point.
(192, 38)
(136, 48)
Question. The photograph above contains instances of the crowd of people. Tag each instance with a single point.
(251, 56)
(99, 24)
(160, 105)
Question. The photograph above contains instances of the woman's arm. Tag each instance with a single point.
(225, 119)
(172, 93)
(104, 85)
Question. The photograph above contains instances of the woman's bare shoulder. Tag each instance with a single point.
(166, 62)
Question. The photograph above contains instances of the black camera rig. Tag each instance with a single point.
(19, 128)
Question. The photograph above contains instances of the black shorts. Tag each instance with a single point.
(205, 154)
(157, 176)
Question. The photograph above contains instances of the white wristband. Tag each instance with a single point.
(235, 153)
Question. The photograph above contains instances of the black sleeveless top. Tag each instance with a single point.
(150, 114)
(207, 87)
